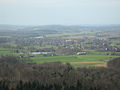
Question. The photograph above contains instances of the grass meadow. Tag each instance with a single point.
(77, 60)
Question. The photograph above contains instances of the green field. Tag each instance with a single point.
(116, 42)
(7, 51)
(4, 51)
(93, 58)
(76, 60)
(95, 52)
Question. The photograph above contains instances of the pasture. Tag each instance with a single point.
(77, 60)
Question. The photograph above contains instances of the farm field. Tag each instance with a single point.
(92, 59)
(77, 60)
(4, 51)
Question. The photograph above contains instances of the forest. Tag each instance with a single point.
(15, 74)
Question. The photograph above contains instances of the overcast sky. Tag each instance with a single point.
(65, 12)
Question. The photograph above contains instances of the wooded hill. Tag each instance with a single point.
(18, 75)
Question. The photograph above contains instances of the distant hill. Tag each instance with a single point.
(58, 27)
(13, 30)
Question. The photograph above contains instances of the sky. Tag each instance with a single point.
(63, 12)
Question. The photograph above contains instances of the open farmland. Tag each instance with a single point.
(77, 61)
(81, 46)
